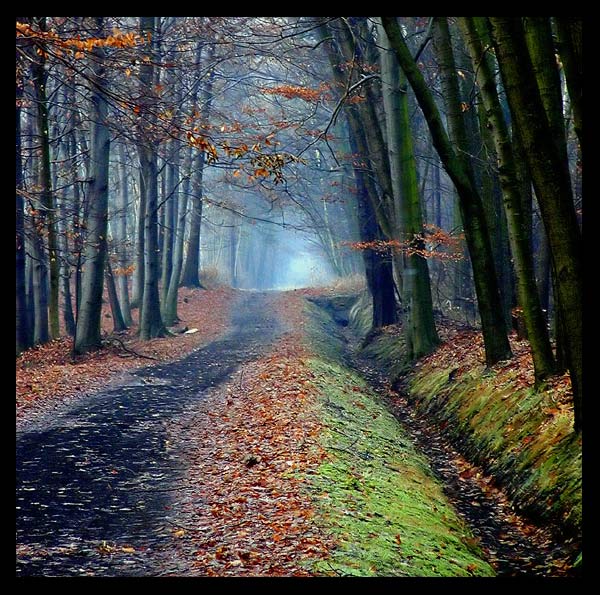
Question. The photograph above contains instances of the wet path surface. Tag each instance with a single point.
(512, 545)
(93, 483)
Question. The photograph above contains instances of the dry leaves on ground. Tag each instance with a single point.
(48, 374)
(254, 441)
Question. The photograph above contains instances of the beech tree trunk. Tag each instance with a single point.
(151, 324)
(40, 77)
(552, 187)
(191, 270)
(23, 335)
(528, 297)
(419, 326)
(88, 332)
(493, 325)
(113, 299)
(122, 239)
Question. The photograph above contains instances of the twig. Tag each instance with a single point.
(112, 340)
(186, 527)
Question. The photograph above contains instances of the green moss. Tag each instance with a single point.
(377, 495)
(509, 430)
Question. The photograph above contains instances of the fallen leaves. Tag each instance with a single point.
(254, 439)
(48, 375)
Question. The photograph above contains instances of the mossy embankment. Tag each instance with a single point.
(374, 491)
(524, 438)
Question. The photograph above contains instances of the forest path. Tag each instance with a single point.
(95, 479)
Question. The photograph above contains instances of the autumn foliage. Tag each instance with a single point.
(433, 242)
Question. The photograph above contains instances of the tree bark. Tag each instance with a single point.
(379, 272)
(370, 212)
(570, 48)
(151, 324)
(170, 307)
(122, 239)
(170, 202)
(88, 333)
(191, 270)
(137, 289)
(535, 323)
(493, 325)
(113, 299)
(23, 335)
(40, 78)
(552, 187)
(419, 326)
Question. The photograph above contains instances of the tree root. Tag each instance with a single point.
(115, 342)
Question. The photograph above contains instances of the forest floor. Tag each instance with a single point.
(49, 377)
(213, 463)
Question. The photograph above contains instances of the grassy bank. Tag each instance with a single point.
(521, 436)
(373, 491)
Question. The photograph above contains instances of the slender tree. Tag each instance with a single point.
(570, 47)
(420, 332)
(88, 332)
(23, 334)
(486, 284)
(40, 80)
(191, 269)
(552, 186)
(151, 324)
(520, 244)
(122, 238)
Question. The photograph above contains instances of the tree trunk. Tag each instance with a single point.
(191, 269)
(65, 274)
(76, 207)
(113, 299)
(379, 271)
(88, 333)
(23, 335)
(419, 326)
(552, 187)
(369, 216)
(170, 307)
(543, 271)
(570, 48)
(168, 228)
(151, 324)
(493, 325)
(122, 239)
(137, 289)
(40, 77)
(535, 323)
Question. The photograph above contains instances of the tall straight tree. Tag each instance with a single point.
(552, 186)
(170, 305)
(190, 276)
(88, 331)
(378, 273)
(122, 238)
(40, 79)
(493, 326)
(570, 48)
(151, 324)
(419, 326)
(528, 297)
(23, 335)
